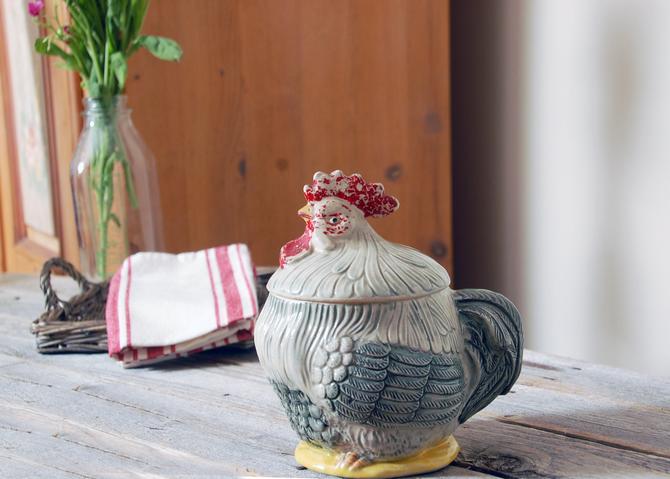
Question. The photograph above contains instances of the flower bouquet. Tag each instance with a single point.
(113, 177)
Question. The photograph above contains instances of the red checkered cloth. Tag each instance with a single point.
(161, 306)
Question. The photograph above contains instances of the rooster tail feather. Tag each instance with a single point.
(493, 341)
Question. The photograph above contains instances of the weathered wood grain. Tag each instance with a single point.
(215, 415)
(597, 403)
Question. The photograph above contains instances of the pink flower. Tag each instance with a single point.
(35, 7)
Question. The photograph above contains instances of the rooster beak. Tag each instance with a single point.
(305, 212)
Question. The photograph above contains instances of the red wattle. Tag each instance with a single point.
(296, 246)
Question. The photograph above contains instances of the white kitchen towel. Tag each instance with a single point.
(162, 306)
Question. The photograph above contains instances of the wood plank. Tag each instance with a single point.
(269, 92)
(592, 402)
(65, 105)
(505, 450)
(215, 414)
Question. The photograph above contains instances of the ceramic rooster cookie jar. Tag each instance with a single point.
(374, 358)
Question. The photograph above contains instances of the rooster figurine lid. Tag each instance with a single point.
(340, 258)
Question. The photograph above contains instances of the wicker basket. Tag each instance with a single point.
(78, 325)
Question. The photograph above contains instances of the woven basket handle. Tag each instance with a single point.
(51, 298)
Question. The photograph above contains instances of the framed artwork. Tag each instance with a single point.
(30, 154)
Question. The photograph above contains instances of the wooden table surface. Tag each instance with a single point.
(215, 415)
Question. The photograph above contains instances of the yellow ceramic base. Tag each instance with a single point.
(322, 460)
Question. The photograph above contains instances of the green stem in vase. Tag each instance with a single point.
(102, 186)
(108, 154)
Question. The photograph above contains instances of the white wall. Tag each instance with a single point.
(595, 147)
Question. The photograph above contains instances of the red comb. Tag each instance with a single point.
(368, 197)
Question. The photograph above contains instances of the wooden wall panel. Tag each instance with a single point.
(270, 91)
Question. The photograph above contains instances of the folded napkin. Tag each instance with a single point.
(162, 306)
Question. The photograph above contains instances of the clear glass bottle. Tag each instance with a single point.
(115, 189)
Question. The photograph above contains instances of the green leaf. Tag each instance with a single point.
(161, 47)
(45, 46)
(120, 68)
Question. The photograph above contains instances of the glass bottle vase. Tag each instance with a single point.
(115, 189)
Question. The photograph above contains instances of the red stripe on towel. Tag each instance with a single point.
(112, 314)
(128, 335)
(154, 352)
(211, 283)
(245, 273)
(232, 294)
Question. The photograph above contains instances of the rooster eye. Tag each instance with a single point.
(334, 220)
